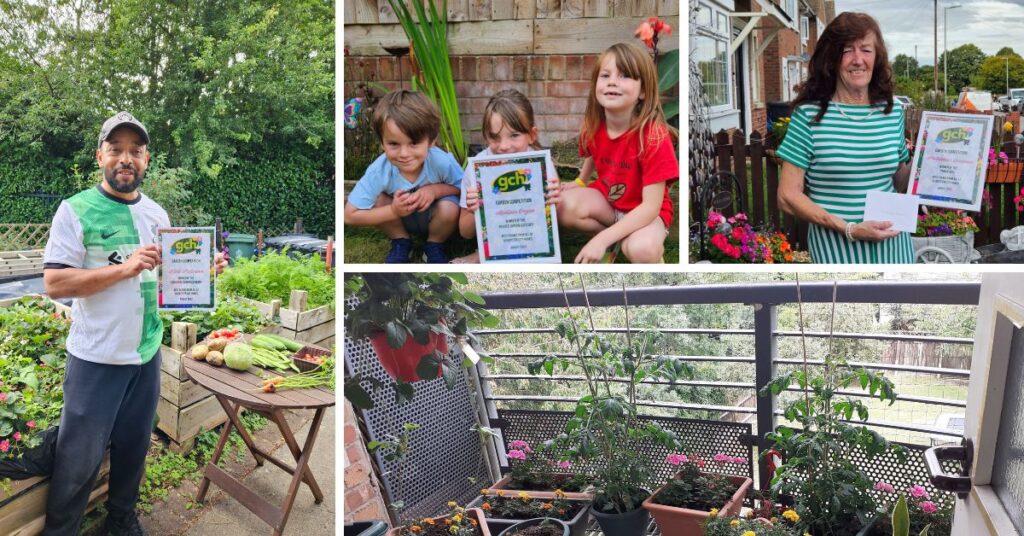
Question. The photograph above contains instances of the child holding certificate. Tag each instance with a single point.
(624, 138)
(413, 187)
(508, 127)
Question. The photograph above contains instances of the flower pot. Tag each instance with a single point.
(401, 363)
(1009, 172)
(959, 247)
(511, 531)
(475, 512)
(577, 525)
(503, 485)
(629, 524)
(675, 521)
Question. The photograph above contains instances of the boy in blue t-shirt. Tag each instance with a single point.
(413, 188)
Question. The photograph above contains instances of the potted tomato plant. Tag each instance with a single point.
(408, 318)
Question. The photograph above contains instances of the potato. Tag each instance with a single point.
(199, 352)
(217, 344)
(215, 358)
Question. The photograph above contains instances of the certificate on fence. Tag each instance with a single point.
(948, 169)
(186, 269)
(513, 223)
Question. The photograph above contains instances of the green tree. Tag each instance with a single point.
(904, 64)
(995, 70)
(964, 62)
(1007, 51)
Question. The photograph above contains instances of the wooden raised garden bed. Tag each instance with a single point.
(23, 510)
(185, 409)
(17, 263)
(297, 321)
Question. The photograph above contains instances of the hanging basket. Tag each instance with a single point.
(959, 247)
(1008, 173)
(401, 363)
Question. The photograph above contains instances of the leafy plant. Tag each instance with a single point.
(32, 360)
(831, 490)
(457, 523)
(275, 275)
(730, 526)
(668, 65)
(531, 471)
(696, 489)
(403, 305)
(396, 449)
(605, 426)
(428, 38)
(945, 222)
(523, 506)
(229, 312)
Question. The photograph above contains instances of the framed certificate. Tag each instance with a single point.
(186, 279)
(513, 224)
(948, 170)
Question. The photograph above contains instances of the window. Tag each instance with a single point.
(805, 30)
(791, 9)
(711, 55)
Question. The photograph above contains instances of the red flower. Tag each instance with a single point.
(646, 34)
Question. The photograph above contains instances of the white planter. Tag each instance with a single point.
(959, 248)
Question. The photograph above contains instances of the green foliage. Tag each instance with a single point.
(32, 360)
(904, 65)
(992, 74)
(428, 38)
(832, 491)
(229, 312)
(694, 489)
(275, 275)
(945, 222)
(605, 427)
(396, 449)
(1006, 51)
(964, 62)
(171, 189)
(730, 526)
(215, 83)
(166, 471)
(413, 305)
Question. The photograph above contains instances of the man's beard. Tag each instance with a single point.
(124, 188)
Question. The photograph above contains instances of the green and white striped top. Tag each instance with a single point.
(845, 155)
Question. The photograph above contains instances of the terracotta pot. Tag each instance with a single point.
(539, 494)
(401, 363)
(1005, 172)
(475, 512)
(577, 525)
(674, 521)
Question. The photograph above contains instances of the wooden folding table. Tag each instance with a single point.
(241, 390)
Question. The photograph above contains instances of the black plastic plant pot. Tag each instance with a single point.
(577, 525)
(511, 531)
(629, 524)
(366, 528)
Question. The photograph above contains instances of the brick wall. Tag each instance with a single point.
(363, 499)
(786, 43)
(556, 85)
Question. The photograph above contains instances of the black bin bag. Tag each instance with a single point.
(35, 462)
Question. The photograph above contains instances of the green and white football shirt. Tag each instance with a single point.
(93, 229)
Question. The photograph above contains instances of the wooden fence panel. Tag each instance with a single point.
(595, 8)
(572, 9)
(24, 235)
(480, 9)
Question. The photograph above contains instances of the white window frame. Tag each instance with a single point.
(791, 9)
(805, 30)
(724, 38)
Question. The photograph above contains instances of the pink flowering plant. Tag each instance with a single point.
(699, 484)
(32, 359)
(916, 507)
(734, 240)
(532, 471)
(945, 222)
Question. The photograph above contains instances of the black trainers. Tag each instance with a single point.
(127, 525)
(401, 251)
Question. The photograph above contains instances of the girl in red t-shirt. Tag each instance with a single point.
(624, 138)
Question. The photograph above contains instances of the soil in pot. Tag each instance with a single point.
(517, 508)
(437, 527)
(537, 527)
(549, 481)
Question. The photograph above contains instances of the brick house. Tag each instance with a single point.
(752, 53)
(546, 50)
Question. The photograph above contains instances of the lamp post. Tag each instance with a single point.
(945, 50)
(1007, 60)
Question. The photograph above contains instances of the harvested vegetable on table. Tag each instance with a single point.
(322, 376)
(273, 359)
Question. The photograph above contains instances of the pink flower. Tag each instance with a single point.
(676, 459)
(919, 492)
(564, 464)
(3, 397)
(31, 424)
(645, 33)
(518, 444)
(881, 485)
(517, 454)
(929, 507)
(4, 446)
(17, 436)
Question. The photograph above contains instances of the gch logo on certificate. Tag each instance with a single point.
(186, 269)
(513, 223)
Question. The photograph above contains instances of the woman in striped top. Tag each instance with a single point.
(845, 138)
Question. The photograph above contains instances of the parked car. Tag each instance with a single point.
(904, 100)
(975, 101)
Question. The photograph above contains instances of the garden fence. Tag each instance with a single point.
(23, 236)
(509, 403)
(758, 171)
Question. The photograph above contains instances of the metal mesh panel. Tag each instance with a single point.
(1008, 481)
(445, 454)
(703, 438)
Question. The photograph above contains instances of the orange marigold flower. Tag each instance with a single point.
(501, 493)
(415, 528)
(485, 506)
(546, 506)
(429, 521)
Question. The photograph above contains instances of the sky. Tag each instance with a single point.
(989, 24)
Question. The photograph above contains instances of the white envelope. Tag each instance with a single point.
(900, 209)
